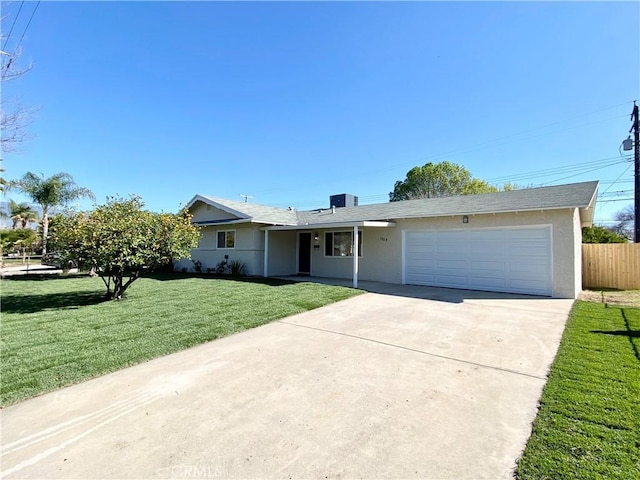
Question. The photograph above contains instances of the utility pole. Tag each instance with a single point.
(636, 161)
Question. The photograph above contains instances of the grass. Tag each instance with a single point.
(58, 330)
(588, 425)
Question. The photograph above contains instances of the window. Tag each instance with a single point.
(340, 244)
(227, 239)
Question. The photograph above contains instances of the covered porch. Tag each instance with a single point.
(325, 250)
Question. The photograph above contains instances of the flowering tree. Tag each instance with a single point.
(119, 241)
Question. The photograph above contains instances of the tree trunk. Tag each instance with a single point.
(119, 285)
(45, 228)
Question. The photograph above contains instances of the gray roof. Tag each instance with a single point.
(575, 195)
(251, 211)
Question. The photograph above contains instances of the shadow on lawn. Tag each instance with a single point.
(629, 333)
(50, 301)
(165, 276)
(41, 277)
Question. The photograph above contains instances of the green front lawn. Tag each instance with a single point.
(57, 331)
(588, 426)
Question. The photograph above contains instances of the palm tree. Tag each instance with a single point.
(57, 190)
(21, 214)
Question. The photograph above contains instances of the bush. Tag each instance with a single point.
(238, 269)
(597, 234)
(16, 240)
(235, 268)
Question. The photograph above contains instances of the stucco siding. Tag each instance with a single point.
(337, 267)
(282, 253)
(208, 213)
(249, 248)
(577, 252)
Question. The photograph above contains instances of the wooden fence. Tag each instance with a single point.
(611, 265)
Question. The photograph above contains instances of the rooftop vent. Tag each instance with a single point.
(343, 200)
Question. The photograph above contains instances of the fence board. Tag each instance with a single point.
(611, 265)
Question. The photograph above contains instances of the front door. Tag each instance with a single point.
(304, 253)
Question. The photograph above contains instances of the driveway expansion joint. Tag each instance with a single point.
(415, 350)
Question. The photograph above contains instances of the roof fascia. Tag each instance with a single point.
(586, 213)
(238, 221)
(222, 222)
(492, 212)
(332, 225)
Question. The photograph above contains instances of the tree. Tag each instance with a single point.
(21, 214)
(55, 191)
(21, 239)
(625, 222)
(120, 241)
(598, 234)
(15, 117)
(438, 180)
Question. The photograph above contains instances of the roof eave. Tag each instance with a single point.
(221, 206)
(309, 226)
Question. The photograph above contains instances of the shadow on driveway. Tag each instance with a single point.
(449, 295)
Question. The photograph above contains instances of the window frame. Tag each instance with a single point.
(225, 232)
(332, 249)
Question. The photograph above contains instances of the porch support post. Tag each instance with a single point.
(266, 253)
(355, 256)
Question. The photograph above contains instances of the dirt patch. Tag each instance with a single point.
(627, 298)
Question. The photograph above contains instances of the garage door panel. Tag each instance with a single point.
(417, 256)
(529, 234)
(514, 260)
(529, 268)
(488, 252)
(421, 238)
(483, 283)
(423, 249)
(450, 252)
(423, 269)
(486, 236)
(487, 266)
(452, 281)
(529, 251)
(421, 279)
(456, 264)
(528, 286)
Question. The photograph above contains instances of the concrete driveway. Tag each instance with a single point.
(410, 382)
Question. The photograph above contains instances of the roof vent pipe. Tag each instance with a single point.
(333, 209)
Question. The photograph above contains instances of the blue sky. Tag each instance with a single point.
(292, 102)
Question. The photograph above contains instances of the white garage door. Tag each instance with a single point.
(516, 260)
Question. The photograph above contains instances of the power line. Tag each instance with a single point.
(615, 194)
(27, 27)
(606, 182)
(616, 200)
(477, 147)
(15, 19)
(614, 182)
(577, 174)
(559, 170)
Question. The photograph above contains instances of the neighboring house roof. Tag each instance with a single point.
(575, 195)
